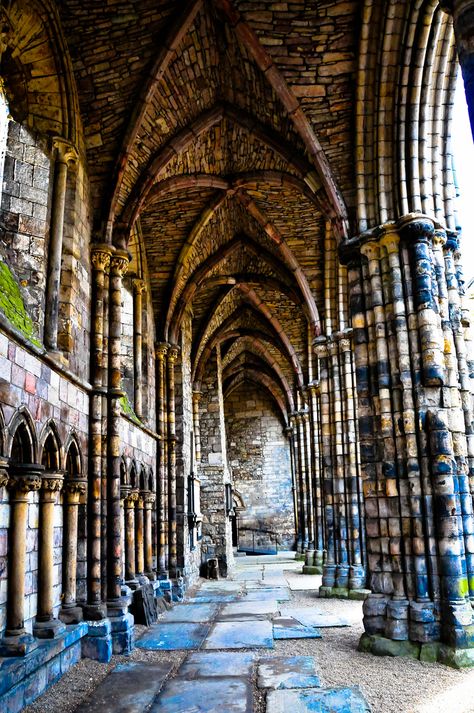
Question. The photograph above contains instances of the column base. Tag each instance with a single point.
(123, 633)
(343, 593)
(17, 645)
(151, 576)
(118, 607)
(97, 645)
(94, 612)
(312, 569)
(50, 629)
(432, 652)
(71, 615)
(329, 575)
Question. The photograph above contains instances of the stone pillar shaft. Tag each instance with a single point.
(118, 267)
(150, 499)
(65, 153)
(100, 258)
(173, 543)
(130, 552)
(140, 534)
(23, 481)
(73, 490)
(161, 351)
(139, 289)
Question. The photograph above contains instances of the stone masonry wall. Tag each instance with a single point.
(25, 380)
(188, 559)
(24, 219)
(259, 457)
(213, 471)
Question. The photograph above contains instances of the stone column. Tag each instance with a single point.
(172, 355)
(162, 480)
(116, 606)
(23, 480)
(329, 570)
(65, 154)
(294, 491)
(355, 517)
(130, 553)
(313, 389)
(139, 288)
(300, 433)
(298, 488)
(94, 610)
(74, 490)
(309, 478)
(150, 499)
(196, 425)
(140, 537)
(46, 626)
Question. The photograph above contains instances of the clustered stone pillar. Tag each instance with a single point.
(343, 571)
(46, 626)
(315, 428)
(172, 355)
(415, 429)
(118, 267)
(149, 500)
(65, 154)
(139, 288)
(95, 609)
(22, 481)
(140, 537)
(74, 489)
(130, 552)
(161, 351)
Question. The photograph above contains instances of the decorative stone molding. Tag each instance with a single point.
(100, 256)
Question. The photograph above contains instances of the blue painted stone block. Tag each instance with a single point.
(122, 623)
(11, 671)
(166, 585)
(71, 656)
(122, 642)
(53, 670)
(35, 685)
(98, 648)
(172, 637)
(99, 628)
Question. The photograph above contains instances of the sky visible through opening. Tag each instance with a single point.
(463, 155)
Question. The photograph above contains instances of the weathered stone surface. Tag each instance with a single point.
(240, 635)
(209, 664)
(343, 700)
(129, 688)
(209, 695)
(287, 672)
(173, 637)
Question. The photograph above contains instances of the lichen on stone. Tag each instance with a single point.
(127, 408)
(13, 307)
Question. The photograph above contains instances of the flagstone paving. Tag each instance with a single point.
(218, 625)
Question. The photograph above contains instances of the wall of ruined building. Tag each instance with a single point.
(259, 457)
(189, 557)
(213, 469)
(24, 217)
(26, 381)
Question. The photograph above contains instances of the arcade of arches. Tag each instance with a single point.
(232, 307)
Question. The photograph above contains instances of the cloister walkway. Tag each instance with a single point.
(228, 630)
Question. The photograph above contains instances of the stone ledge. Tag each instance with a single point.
(23, 679)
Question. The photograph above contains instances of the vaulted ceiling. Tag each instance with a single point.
(223, 130)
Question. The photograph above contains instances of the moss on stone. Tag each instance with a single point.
(13, 307)
(127, 408)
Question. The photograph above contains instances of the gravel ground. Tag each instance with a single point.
(390, 685)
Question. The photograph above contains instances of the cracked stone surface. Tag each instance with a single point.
(287, 672)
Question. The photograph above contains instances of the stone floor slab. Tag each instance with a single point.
(191, 613)
(207, 695)
(313, 700)
(204, 664)
(240, 635)
(309, 616)
(221, 585)
(215, 598)
(173, 637)
(129, 688)
(289, 628)
(249, 610)
(280, 672)
(280, 594)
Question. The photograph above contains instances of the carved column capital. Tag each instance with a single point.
(161, 350)
(74, 490)
(320, 347)
(132, 498)
(173, 352)
(149, 498)
(416, 227)
(100, 256)
(52, 481)
(25, 479)
(119, 262)
(66, 152)
(139, 286)
(3, 472)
